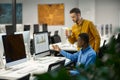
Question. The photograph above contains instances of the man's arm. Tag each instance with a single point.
(96, 35)
(72, 57)
(71, 37)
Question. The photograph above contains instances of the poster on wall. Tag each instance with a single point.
(6, 13)
(51, 14)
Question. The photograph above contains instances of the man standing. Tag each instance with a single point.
(83, 26)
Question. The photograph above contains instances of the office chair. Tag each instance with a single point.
(10, 29)
(26, 27)
(36, 28)
(101, 50)
(44, 28)
(56, 37)
(56, 66)
(118, 38)
(31, 47)
(49, 37)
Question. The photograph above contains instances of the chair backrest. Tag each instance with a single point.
(56, 66)
(9, 29)
(49, 37)
(36, 28)
(56, 37)
(56, 32)
(26, 27)
(44, 28)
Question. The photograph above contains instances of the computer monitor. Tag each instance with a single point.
(26, 38)
(1, 45)
(1, 50)
(41, 44)
(14, 49)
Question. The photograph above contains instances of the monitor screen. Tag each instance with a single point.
(14, 49)
(41, 43)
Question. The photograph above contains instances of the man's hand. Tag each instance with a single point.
(56, 47)
(68, 33)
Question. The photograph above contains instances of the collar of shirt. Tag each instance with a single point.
(80, 22)
(86, 49)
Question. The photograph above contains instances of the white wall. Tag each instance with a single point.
(87, 8)
(98, 11)
(107, 12)
(30, 14)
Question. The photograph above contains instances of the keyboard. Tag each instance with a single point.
(47, 61)
(27, 70)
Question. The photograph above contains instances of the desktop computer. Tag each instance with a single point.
(41, 44)
(1, 50)
(14, 49)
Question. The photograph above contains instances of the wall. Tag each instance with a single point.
(107, 12)
(98, 11)
(87, 8)
(30, 14)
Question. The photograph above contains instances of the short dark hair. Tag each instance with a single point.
(75, 10)
(85, 37)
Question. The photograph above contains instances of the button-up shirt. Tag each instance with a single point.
(85, 57)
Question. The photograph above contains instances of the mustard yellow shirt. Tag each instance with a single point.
(86, 27)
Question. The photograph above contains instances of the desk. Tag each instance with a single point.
(66, 46)
(13, 74)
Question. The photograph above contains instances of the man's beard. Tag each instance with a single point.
(77, 20)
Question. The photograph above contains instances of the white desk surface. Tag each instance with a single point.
(69, 47)
(66, 46)
(13, 74)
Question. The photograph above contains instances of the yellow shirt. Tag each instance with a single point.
(86, 27)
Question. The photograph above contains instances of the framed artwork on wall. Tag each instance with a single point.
(6, 13)
(51, 14)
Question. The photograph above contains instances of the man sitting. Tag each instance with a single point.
(86, 56)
